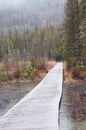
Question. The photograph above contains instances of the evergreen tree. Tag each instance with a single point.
(70, 31)
(75, 30)
(83, 30)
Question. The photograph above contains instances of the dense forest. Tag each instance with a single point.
(46, 43)
(75, 37)
(36, 46)
(30, 35)
(30, 44)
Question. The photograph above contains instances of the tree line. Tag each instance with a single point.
(76, 30)
(30, 45)
(36, 46)
(75, 36)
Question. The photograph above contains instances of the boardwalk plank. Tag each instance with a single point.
(38, 110)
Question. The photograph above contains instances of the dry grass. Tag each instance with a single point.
(67, 74)
(41, 73)
(50, 65)
(11, 68)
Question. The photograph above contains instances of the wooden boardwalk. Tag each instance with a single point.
(39, 110)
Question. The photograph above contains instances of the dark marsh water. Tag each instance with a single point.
(66, 121)
(10, 94)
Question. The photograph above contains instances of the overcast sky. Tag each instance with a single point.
(16, 3)
(12, 3)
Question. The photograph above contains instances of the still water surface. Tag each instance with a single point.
(66, 122)
(11, 94)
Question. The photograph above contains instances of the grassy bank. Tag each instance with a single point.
(22, 72)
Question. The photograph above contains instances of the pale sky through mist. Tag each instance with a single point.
(31, 12)
(16, 3)
(10, 3)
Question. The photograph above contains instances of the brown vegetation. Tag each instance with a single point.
(22, 71)
(73, 74)
(67, 73)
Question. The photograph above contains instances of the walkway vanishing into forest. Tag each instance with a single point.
(39, 110)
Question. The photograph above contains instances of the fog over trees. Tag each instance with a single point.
(29, 13)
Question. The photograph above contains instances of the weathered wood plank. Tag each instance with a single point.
(39, 109)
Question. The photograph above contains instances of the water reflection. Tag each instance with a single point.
(65, 120)
(79, 125)
(66, 123)
(11, 94)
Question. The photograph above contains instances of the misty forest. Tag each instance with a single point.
(37, 34)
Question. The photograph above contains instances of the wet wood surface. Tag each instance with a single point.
(38, 110)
